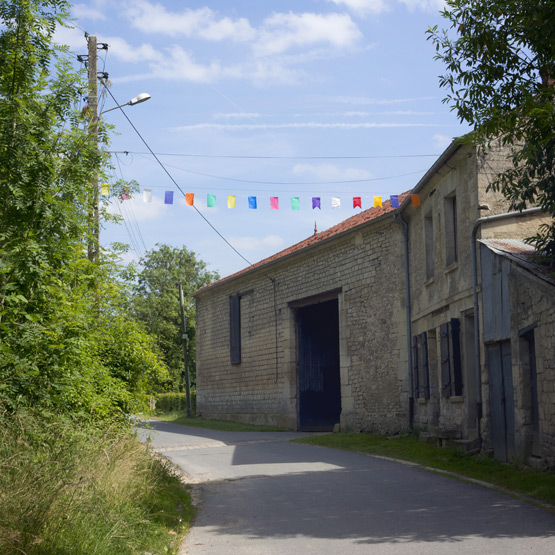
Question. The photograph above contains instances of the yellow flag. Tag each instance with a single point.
(105, 188)
(231, 201)
(377, 201)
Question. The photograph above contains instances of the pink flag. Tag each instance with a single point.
(274, 203)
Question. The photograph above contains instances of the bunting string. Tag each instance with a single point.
(253, 201)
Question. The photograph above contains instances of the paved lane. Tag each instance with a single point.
(262, 494)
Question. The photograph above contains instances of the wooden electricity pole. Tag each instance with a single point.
(94, 218)
(184, 326)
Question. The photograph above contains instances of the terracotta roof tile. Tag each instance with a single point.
(350, 223)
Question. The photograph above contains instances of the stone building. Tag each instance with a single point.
(372, 323)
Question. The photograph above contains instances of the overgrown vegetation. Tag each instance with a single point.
(174, 402)
(74, 360)
(66, 487)
(534, 483)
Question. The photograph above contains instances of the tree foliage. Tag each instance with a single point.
(66, 340)
(156, 301)
(500, 61)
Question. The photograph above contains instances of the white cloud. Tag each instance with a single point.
(71, 37)
(424, 5)
(284, 31)
(363, 7)
(307, 125)
(273, 242)
(359, 100)
(84, 11)
(202, 23)
(236, 115)
(441, 142)
(331, 172)
(137, 209)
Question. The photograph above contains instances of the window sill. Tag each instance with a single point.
(452, 267)
(422, 400)
(456, 399)
(429, 281)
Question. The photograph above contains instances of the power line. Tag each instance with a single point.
(171, 177)
(252, 157)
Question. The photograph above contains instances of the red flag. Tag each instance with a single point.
(357, 202)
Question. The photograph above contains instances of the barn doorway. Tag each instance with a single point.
(318, 366)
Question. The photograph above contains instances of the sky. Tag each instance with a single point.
(286, 99)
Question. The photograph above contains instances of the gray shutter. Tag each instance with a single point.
(445, 360)
(415, 387)
(235, 329)
(425, 366)
(455, 328)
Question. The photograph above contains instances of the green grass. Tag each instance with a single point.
(180, 417)
(69, 488)
(516, 478)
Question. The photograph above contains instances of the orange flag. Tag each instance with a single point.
(415, 200)
(190, 199)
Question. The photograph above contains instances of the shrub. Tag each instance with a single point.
(169, 402)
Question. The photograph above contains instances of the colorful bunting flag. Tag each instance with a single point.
(252, 203)
(168, 198)
(377, 201)
(316, 203)
(105, 188)
(125, 193)
(190, 199)
(415, 199)
(274, 203)
(295, 203)
(211, 201)
(357, 202)
(394, 201)
(335, 202)
(231, 201)
(147, 195)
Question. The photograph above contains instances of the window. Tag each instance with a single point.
(235, 329)
(451, 367)
(420, 366)
(451, 246)
(429, 245)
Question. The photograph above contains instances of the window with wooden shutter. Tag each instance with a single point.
(455, 329)
(235, 329)
(445, 360)
(424, 366)
(415, 387)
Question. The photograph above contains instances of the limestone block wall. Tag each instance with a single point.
(363, 269)
(533, 311)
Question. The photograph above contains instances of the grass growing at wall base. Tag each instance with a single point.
(514, 477)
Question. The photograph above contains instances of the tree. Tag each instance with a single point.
(59, 312)
(500, 60)
(156, 302)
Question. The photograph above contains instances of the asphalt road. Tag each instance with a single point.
(260, 494)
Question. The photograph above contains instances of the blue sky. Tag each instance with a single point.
(311, 98)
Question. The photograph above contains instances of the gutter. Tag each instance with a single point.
(398, 219)
(477, 362)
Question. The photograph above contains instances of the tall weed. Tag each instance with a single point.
(79, 489)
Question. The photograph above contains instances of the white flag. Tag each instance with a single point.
(147, 195)
(335, 202)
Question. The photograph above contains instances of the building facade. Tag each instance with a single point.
(375, 324)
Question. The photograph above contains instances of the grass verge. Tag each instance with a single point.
(69, 488)
(516, 478)
(180, 417)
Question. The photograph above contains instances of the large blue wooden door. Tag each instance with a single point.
(318, 366)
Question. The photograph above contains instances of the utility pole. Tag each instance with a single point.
(184, 325)
(94, 218)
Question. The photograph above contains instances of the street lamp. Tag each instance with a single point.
(143, 97)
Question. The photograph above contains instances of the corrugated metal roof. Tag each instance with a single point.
(358, 220)
(520, 252)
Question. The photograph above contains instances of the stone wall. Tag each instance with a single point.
(363, 269)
